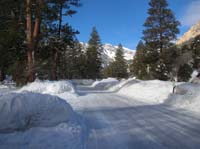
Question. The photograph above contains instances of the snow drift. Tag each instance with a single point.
(105, 83)
(26, 110)
(85, 82)
(187, 96)
(121, 84)
(4, 89)
(49, 87)
(153, 92)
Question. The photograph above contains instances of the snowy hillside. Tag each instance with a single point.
(110, 50)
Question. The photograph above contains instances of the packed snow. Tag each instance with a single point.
(194, 78)
(129, 113)
(26, 110)
(49, 87)
(105, 83)
(153, 92)
(187, 96)
(32, 117)
(121, 84)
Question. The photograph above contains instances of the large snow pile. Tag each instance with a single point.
(32, 120)
(49, 87)
(105, 83)
(187, 96)
(26, 110)
(153, 92)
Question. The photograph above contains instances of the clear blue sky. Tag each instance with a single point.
(121, 21)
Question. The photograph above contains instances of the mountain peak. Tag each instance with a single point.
(190, 34)
(109, 50)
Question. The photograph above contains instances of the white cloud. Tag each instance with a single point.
(192, 14)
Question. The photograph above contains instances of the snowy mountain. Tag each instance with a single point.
(190, 34)
(109, 51)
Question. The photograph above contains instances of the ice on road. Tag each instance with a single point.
(118, 122)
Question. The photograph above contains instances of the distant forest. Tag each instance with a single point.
(36, 43)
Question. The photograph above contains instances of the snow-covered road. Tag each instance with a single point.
(118, 122)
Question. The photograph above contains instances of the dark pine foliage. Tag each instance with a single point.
(93, 56)
(161, 28)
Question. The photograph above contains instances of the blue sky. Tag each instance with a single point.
(121, 21)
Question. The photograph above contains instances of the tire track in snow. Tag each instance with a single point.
(116, 116)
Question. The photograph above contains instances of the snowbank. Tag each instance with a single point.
(121, 84)
(49, 87)
(187, 96)
(4, 89)
(153, 92)
(85, 82)
(105, 83)
(33, 120)
(27, 110)
(194, 78)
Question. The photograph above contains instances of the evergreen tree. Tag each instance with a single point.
(60, 8)
(12, 38)
(195, 46)
(118, 68)
(93, 56)
(120, 65)
(73, 64)
(139, 66)
(108, 71)
(161, 28)
(29, 30)
(68, 53)
(184, 72)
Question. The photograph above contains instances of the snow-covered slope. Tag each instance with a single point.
(187, 97)
(148, 92)
(190, 34)
(109, 51)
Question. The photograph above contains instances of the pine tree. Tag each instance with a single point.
(73, 64)
(139, 66)
(184, 72)
(68, 52)
(61, 8)
(120, 65)
(27, 29)
(195, 46)
(118, 68)
(33, 22)
(93, 56)
(11, 37)
(108, 71)
(161, 28)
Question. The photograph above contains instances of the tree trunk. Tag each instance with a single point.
(2, 75)
(32, 35)
(55, 51)
(30, 73)
(54, 65)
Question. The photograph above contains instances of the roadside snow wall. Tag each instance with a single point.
(20, 111)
